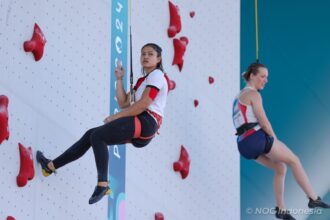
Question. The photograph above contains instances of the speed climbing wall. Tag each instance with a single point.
(211, 190)
(54, 100)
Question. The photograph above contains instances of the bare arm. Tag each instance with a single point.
(135, 109)
(122, 98)
(258, 109)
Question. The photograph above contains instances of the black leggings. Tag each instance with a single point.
(119, 131)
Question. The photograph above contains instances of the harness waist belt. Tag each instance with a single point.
(245, 127)
(248, 133)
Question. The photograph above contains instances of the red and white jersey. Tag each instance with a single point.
(242, 113)
(159, 89)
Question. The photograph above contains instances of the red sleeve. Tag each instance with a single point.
(153, 92)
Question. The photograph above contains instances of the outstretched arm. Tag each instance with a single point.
(258, 109)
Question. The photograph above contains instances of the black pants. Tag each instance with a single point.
(119, 131)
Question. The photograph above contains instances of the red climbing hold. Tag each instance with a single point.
(179, 50)
(175, 20)
(4, 130)
(192, 14)
(36, 44)
(183, 164)
(26, 171)
(159, 216)
(196, 102)
(10, 218)
(211, 79)
(170, 83)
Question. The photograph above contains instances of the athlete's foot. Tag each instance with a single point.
(45, 163)
(98, 193)
(317, 203)
(283, 214)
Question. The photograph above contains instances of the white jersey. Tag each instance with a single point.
(242, 113)
(155, 79)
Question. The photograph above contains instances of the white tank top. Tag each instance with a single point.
(243, 113)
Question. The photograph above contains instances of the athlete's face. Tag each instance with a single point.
(149, 59)
(261, 78)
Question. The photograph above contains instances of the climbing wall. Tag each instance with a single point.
(54, 100)
(211, 190)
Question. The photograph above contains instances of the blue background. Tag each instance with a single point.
(294, 43)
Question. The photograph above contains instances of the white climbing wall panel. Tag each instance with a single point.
(54, 101)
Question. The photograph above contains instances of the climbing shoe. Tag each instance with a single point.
(317, 203)
(98, 193)
(46, 171)
(283, 214)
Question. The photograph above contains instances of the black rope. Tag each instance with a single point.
(131, 66)
(257, 31)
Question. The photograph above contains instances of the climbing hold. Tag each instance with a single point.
(175, 20)
(159, 216)
(26, 171)
(183, 164)
(36, 44)
(192, 14)
(196, 102)
(179, 50)
(170, 83)
(4, 130)
(211, 79)
(10, 218)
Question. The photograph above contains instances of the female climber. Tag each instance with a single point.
(137, 123)
(257, 140)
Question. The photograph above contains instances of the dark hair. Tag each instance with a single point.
(158, 49)
(252, 69)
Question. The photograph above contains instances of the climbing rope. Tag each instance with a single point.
(256, 23)
(131, 59)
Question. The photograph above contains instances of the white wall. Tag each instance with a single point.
(54, 101)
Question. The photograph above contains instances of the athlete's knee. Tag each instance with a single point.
(294, 161)
(95, 136)
(85, 139)
(88, 133)
(280, 168)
